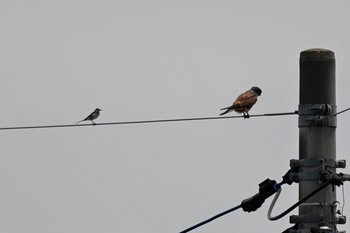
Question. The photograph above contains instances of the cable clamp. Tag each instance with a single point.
(317, 115)
(315, 162)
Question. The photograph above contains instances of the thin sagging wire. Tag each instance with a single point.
(146, 121)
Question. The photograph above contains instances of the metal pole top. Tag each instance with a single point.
(317, 76)
(317, 54)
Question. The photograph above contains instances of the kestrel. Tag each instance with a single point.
(244, 102)
(92, 116)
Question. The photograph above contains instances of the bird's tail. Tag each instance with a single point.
(79, 121)
(228, 109)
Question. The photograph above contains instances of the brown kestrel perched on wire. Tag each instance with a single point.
(244, 102)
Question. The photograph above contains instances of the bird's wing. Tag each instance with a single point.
(247, 99)
(91, 117)
(88, 118)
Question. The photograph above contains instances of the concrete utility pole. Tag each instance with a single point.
(317, 141)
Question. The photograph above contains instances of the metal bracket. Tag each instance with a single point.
(317, 218)
(322, 228)
(321, 163)
(316, 162)
(315, 231)
(304, 176)
(319, 115)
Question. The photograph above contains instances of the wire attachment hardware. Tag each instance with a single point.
(317, 115)
(266, 189)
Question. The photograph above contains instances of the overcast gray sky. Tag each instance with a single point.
(144, 60)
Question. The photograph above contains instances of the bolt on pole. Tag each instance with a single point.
(317, 139)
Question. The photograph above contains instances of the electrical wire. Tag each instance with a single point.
(211, 219)
(273, 203)
(345, 110)
(319, 188)
(146, 121)
(342, 208)
(335, 114)
(159, 121)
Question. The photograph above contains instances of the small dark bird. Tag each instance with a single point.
(244, 102)
(92, 116)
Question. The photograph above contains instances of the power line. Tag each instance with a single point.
(345, 110)
(146, 121)
(211, 219)
(160, 121)
(335, 114)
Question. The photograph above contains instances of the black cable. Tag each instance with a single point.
(345, 110)
(266, 189)
(146, 121)
(211, 219)
(335, 114)
(319, 188)
(157, 121)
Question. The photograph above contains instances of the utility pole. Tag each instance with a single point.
(317, 142)
(315, 170)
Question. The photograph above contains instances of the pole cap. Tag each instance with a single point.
(317, 54)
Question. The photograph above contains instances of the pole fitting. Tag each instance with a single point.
(315, 162)
(318, 115)
(320, 172)
(266, 189)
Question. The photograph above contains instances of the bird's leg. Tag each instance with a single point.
(93, 122)
(246, 116)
